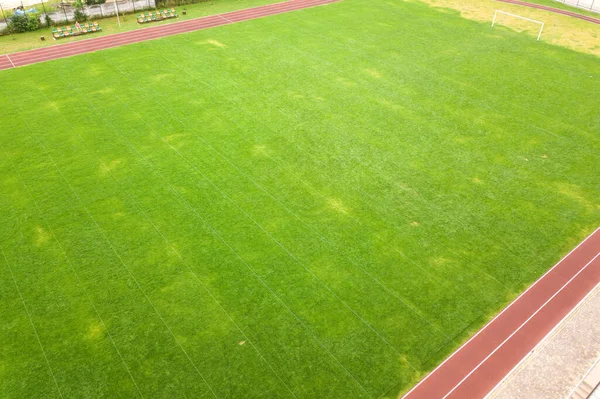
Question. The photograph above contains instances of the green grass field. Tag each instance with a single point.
(321, 204)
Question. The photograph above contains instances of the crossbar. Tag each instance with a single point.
(520, 17)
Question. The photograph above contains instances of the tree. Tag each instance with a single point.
(80, 15)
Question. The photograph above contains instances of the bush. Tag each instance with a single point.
(24, 23)
(94, 2)
(80, 16)
(48, 20)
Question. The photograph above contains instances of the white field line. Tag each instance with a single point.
(428, 203)
(124, 264)
(185, 263)
(518, 16)
(31, 320)
(522, 325)
(501, 313)
(246, 264)
(430, 275)
(543, 340)
(215, 233)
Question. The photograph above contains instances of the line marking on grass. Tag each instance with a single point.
(30, 319)
(247, 265)
(122, 262)
(277, 242)
(173, 248)
(76, 275)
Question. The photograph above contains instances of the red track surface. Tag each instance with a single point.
(481, 363)
(86, 46)
(552, 9)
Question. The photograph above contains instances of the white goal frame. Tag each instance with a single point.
(518, 16)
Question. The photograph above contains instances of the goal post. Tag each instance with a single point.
(520, 17)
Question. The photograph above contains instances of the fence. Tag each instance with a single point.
(591, 5)
(66, 13)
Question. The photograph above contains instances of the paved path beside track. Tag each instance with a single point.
(483, 361)
(89, 45)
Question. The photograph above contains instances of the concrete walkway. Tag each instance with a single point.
(557, 365)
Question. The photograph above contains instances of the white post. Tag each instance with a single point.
(518, 16)
(117, 9)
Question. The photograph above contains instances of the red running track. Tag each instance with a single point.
(483, 361)
(104, 42)
(552, 9)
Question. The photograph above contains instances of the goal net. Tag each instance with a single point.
(496, 19)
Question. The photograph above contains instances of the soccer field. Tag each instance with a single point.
(319, 204)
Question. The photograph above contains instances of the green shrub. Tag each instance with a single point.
(80, 16)
(24, 23)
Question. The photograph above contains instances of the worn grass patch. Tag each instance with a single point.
(559, 29)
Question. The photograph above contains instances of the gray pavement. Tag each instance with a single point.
(557, 364)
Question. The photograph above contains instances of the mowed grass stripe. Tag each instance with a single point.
(398, 160)
(55, 310)
(35, 377)
(94, 330)
(101, 324)
(265, 153)
(239, 365)
(190, 91)
(107, 170)
(326, 375)
(385, 381)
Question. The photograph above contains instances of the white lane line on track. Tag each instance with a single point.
(522, 325)
(501, 313)
(41, 55)
(543, 340)
(172, 30)
(226, 20)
